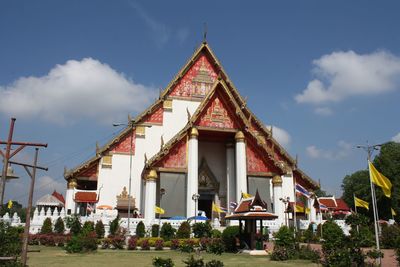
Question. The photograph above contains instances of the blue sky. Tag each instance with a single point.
(325, 74)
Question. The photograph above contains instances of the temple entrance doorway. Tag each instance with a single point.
(205, 203)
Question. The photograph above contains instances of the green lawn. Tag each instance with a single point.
(53, 256)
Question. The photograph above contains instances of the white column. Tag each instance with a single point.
(241, 172)
(69, 196)
(313, 211)
(279, 206)
(230, 174)
(193, 172)
(150, 197)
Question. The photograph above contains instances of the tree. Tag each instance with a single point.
(358, 183)
(59, 226)
(114, 226)
(99, 228)
(47, 227)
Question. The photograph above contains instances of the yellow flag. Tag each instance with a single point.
(380, 180)
(393, 212)
(361, 203)
(10, 203)
(246, 195)
(308, 210)
(216, 208)
(299, 208)
(159, 210)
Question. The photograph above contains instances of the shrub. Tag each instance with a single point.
(47, 227)
(390, 235)
(106, 243)
(167, 231)
(184, 230)
(229, 238)
(174, 244)
(11, 243)
(187, 246)
(202, 229)
(99, 228)
(117, 241)
(114, 226)
(307, 253)
(334, 246)
(82, 243)
(132, 243)
(215, 246)
(159, 244)
(140, 229)
(285, 238)
(215, 263)
(88, 227)
(374, 254)
(215, 233)
(192, 262)
(279, 254)
(74, 224)
(163, 262)
(204, 242)
(33, 239)
(47, 240)
(154, 230)
(59, 226)
(145, 244)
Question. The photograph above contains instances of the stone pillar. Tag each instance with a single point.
(193, 172)
(241, 172)
(230, 174)
(69, 196)
(279, 207)
(150, 197)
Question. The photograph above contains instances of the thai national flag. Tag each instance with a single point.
(322, 207)
(224, 209)
(301, 190)
(233, 205)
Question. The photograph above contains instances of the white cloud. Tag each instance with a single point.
(281, 135)
(47, 184)
(396, 138)
(342, 151)
(73, 91)
(323, 111)
(341, 75)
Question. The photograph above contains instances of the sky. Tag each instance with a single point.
(325, 74)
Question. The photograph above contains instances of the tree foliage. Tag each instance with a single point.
(388, 163)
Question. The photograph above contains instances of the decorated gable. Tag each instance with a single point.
(124, 144)
(197, 82)
(156, 117)
(255, 162)
(176, 157)
(89, 172)
(217, 114)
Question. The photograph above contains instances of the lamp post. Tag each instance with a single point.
(285, 201)
(132, 126)
(162, 192)
(370, 149)
(195, 197)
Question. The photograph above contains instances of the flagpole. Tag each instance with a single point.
(355, 207)
(295, 205)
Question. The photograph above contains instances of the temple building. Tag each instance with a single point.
(197, 144)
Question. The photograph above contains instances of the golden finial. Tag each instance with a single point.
(145, 158)
(97, 148)
(205, 33)
(188, 114)
(162, 141)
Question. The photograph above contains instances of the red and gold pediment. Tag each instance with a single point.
(257, 162)
(217, 114)
(156, 117)
(197, 81)
(176, 157)
(124, 144)
(89, 172)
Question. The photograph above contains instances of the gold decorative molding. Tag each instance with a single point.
(167, 105)
(140, 131)
(152, 175)
(72, 184)
(277, 180)
(239, 136)
(194, 133)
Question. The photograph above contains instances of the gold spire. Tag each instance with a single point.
(239, 136)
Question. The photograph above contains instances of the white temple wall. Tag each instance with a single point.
(288, 186)
(114, 179)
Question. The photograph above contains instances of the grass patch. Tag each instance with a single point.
(53, 256)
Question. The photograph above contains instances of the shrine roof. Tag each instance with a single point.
(329, 202)
(58, 196)
(341, 205)
(252, 216)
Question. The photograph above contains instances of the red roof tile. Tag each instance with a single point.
(328, 202)
(341, 205)
(58, 196)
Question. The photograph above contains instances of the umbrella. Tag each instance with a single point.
(198, 218)
(177, 218)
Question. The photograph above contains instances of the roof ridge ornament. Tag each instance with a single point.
(205, 33)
